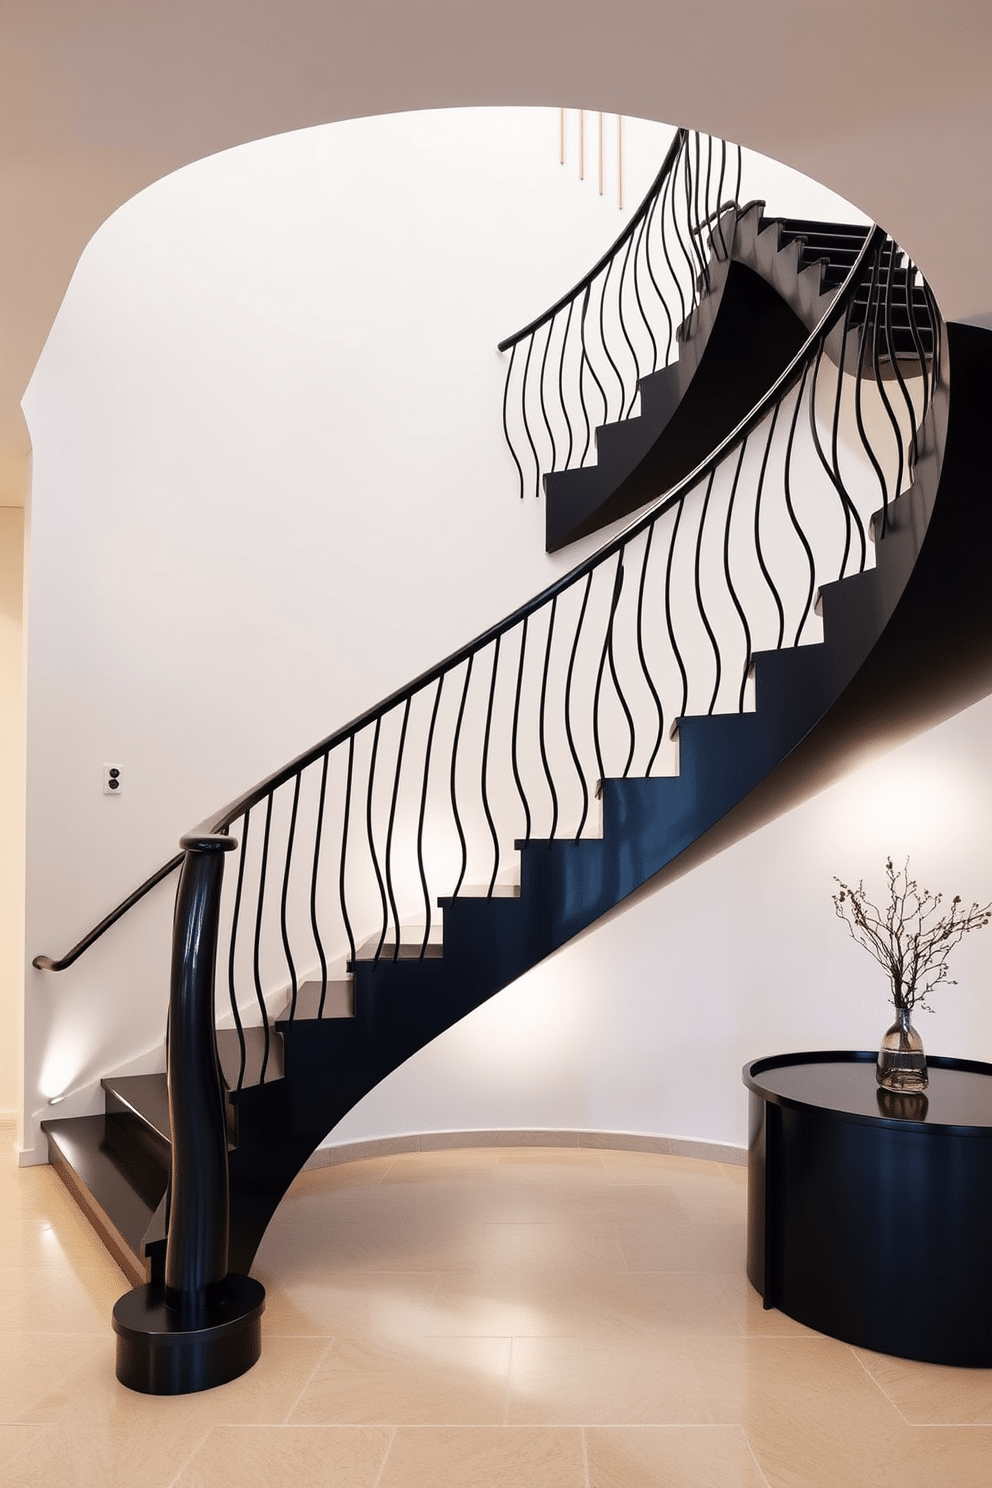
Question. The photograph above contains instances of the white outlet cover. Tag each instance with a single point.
(112, 780)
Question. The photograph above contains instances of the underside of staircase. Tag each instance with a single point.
(905, 644)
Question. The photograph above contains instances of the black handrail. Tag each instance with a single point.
(45, 963)
(679, 139)
(219, 823)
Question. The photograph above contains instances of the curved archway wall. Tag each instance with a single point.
(97, 105)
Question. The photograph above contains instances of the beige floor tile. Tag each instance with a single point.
(36, 1367)
(477, 1457)
(287, 1457)
(103, 1454)
(264, 1395)
(812, 1415)
(651, 1167)
(933, 1394)
(672, 1457)
(394, 1243)
(572, 1381)
(635, 1203)
(474, 1164)
(684, 1247)
(649, 1303)
(500, 1304)
(16, 1439)
(712, 1200)
(380, 1305)
(58, 1299)
(436, 1381)
(748, 1310)
(536, 1249)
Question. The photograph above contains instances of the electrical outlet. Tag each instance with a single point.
(111, 780)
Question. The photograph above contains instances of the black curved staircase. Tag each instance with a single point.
(288, 1081)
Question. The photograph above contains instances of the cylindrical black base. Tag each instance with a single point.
(159, 1352)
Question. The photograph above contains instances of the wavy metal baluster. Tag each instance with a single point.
(567, 462)
(759, 551)
(880, 331)
(524, 386)
(587, 363)
(698, 586)
(627, 403)
(370, 837)
(541, 732)
(485, 767)
(318, 837)
(569, 736)
(389, 829)
(235, 921)
(454, 760)
(506, 423)
(514, 759)
(544, 408)
(640, 254)
(420, 821)
(607, 640)
(866, 443)
(605, 343)
(290, 964)
(734, 597)
(258, 937)
(342, 892)
(611, 657)
(676, 650)
(790, 508)
(640, 650)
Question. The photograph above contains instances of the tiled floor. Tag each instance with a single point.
(488, 1318)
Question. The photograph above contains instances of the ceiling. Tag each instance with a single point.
(888, 103)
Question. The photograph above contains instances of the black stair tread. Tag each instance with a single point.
(481, 891)
(256, 1054)
(338, 998)
(804, 225)
(147, 1096)
(411, 949)
(123, 1219)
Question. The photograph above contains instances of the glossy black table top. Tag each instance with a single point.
(959, 1096)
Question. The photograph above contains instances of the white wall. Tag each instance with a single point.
(270, 486)
(11, 802)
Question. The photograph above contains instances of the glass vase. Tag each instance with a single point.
(902, 1064)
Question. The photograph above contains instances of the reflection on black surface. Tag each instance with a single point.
(902, 1105)
(846, 1083)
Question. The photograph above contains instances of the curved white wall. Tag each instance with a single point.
(270, 486)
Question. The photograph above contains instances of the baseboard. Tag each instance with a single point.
(725, 1152)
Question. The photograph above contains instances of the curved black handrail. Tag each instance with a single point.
(581, 362)
(674, 149)
(46, 963)
(219, 823)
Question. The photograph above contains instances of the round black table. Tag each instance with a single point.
(870, 1216)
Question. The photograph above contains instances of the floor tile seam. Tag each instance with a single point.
(309, 1379)
(201, 1442)
(385, 1456)
(754, 1456)
(703, 1394)
(881, 1388)
(41, 1431)
(585, 1457)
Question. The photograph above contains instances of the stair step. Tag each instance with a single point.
(409, 949)
(229, 1055)
(481, 891)
(338, 999)
(107, 1192)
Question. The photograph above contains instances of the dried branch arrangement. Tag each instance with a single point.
(908, 938)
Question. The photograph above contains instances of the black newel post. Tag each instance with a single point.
(204, 1327)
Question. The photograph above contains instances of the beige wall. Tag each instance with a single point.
(11, 802)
